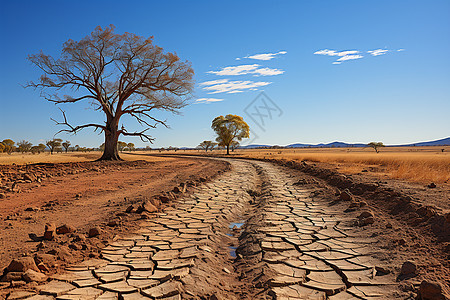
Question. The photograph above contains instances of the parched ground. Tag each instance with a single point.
(82, 195)
(261, 230)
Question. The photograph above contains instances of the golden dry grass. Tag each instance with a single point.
(425, 164)
(28, 158)
(415, 164)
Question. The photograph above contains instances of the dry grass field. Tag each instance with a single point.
(416, 164)
(28, 158)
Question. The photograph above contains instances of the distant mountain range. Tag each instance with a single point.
(441, 142)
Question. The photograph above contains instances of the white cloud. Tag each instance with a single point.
(212, 82)
(265, 56)
(231, 87)
(247, 69)
(377, 52)
(349, 57)
(401, 50)
(337, 62)
(336, 53)
(207, 100)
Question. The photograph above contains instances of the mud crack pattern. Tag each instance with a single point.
(291, 247)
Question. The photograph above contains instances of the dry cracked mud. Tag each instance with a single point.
(249, 234)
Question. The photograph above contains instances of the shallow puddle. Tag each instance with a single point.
(232, 251)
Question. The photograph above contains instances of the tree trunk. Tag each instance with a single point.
(111, 138)
(228, 149)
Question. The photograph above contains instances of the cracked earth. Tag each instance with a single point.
(249, 234)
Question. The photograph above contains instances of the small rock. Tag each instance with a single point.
(176, 190)
(95, 231)
(388, 225)
(365, 214)
(149, 207)
(345, 195)
(382, 270)
(49, 233)
(164, 199)
(226, 270)
(202, 179)
(22, 265)
(112, 223)
(31, 275)
(366, 221)
(64, 229)
(432, 185)
(31, 209)
(429, 290)
(130, 209)
(2, 196)
(408, 268)
(12, 276)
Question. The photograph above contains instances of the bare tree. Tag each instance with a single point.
(119, 74)
(66, 145)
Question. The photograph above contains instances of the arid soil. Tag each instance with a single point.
(262, 230)
(83, 195)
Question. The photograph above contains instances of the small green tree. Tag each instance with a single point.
(234, 145)
(66, 145)
(121, 146)
(207, 145)
(130, 146)
(9, 146)
(376, 145)
(54, 144)
(230, 128)
(24, 146)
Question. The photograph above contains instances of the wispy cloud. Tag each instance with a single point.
(231, 87)
(264, 56)
(378, 52)
(347, 55)
(336, 53)
(253, 69)
(207, 100)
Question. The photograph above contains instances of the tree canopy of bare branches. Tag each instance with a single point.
(118, 74)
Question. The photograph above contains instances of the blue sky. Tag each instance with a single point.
(311, 58)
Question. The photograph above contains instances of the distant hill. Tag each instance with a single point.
(441, 142)
(329, 145)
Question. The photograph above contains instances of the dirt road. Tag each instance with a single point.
(253, 233)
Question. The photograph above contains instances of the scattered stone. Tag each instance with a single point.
(429, 290)
(408, 268)
(112, 223)
(382, 270)
(64, 229)
(31, 209)
(94, 231)
(345, 195)
(164, 199)
(31, 275)
(22, 265)
(12, 276)
(130, 209)
(432, 185)
(50, 230)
